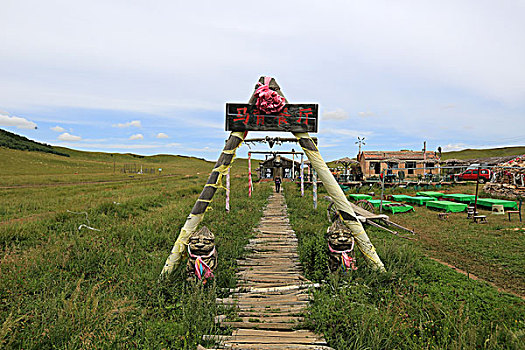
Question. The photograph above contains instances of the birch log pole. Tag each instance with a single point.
(197, 213)
(341, 202)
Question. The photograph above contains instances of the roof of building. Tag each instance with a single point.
(400, 155)
(268, 163)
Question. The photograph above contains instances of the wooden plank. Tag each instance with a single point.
(271, 297)
(261, 325)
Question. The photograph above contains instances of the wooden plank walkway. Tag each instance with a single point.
(272, 294)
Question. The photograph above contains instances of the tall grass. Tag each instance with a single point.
(417, 304)
(65, 288)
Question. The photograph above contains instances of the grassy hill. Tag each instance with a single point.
(23, 167)
(484, 153)
(14, 141)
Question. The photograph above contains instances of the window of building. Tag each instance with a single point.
(411, 167)
(375, 167)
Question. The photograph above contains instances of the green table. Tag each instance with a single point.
(419, 200)
(359, 196)
(459, 197)
(398, 207)
(377, 202)
(344, 188)
(449, 206)
(430, 194)
(488, 202)
(400, 197)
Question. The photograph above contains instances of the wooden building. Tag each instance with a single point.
(278, 166)
(411, 163)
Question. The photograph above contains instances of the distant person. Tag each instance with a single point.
(277, 184)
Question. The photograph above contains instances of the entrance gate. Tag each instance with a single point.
(299, 119)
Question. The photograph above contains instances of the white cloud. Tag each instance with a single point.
(112, 146)
(162, 135)
(20, 123)
(345, 132)
(135, 123)
(58, 129)
(366, 114)
(454, 147)
(136, 137)
(68, 137)
(338, 114)
(329, 145)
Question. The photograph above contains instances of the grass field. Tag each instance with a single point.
(483, 153)
(492, 251)
(68, 288)
(418, 303)
(82, 289)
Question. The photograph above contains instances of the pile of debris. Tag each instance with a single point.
(509, 180)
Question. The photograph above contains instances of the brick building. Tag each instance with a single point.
(411, 163)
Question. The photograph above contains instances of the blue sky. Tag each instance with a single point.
(153, 77)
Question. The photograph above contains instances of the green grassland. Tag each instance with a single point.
(32, 168)
(491, 251)
(484, 153)
(418, 303)
(65, 287)
(14, 141)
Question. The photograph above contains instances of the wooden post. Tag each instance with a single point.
(250, 186)
(382, 191)
(302, 176)
(293, 166)
(314, 185)
(228, 190)
(476, 198)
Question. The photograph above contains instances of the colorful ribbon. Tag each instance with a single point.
(268, 101)
(202, 270)
(346, 261)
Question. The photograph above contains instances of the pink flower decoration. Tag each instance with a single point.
(268, 101)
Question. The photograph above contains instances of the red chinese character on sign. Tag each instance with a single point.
(282, 115)
(305, 112)
(260, 119)
(242, 115)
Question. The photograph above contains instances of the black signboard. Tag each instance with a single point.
(293, 117)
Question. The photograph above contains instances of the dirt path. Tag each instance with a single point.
(272, 293)
(59, 184)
